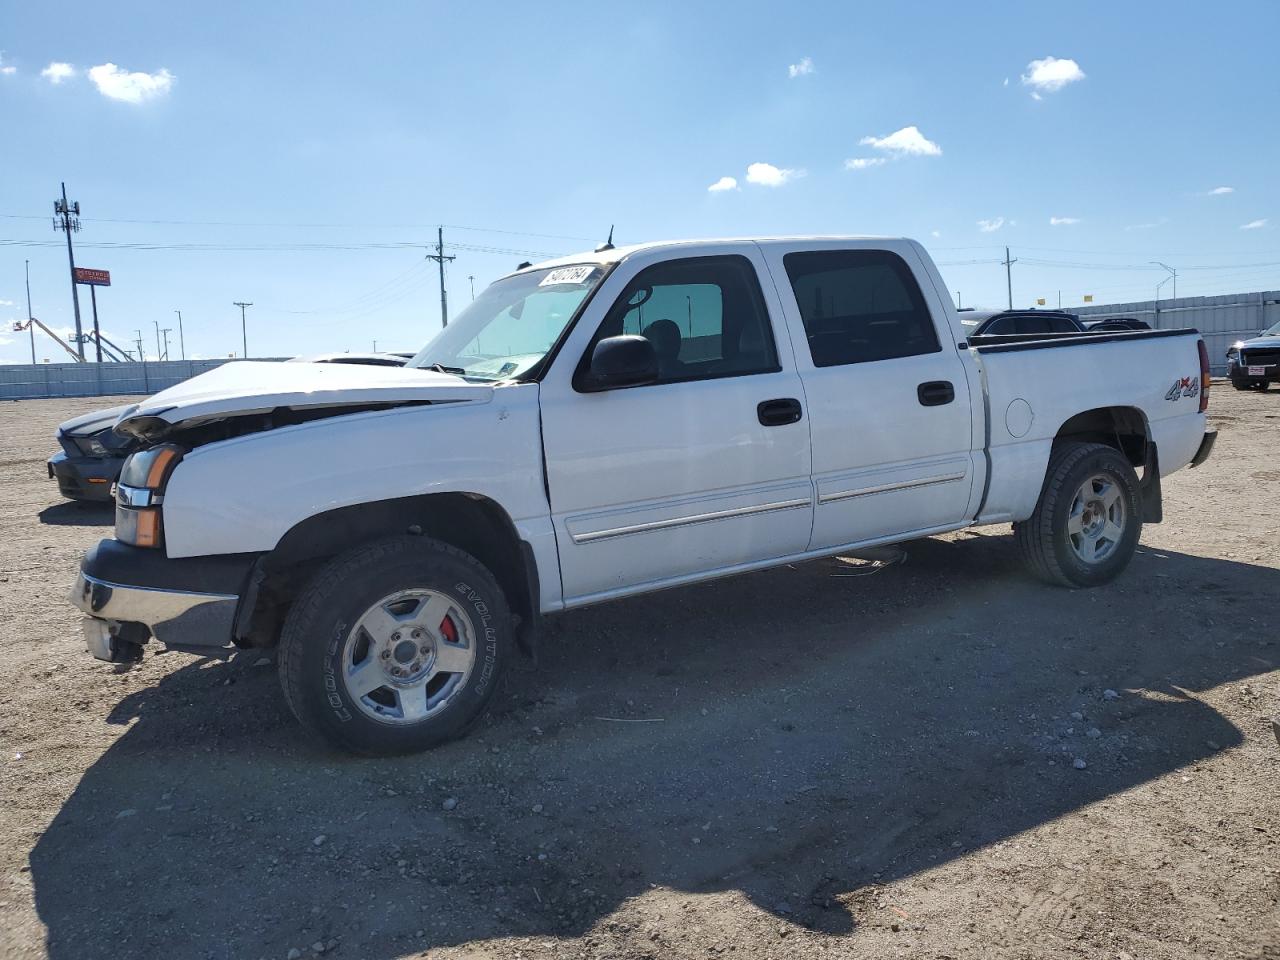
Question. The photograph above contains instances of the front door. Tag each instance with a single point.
(696, 473)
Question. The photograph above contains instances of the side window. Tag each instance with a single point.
(705, 317)
(859, 306)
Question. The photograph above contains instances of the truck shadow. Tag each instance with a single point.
(812, 732)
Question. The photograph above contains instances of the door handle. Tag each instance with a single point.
(935, 393)
(780, 412)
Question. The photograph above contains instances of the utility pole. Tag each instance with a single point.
(473, 286)
(440, 258)
(31, 327)
(97, 334)
(166, 331)
(182, 344)
(244, 334)
(159, 352)
(67, 219)
(1008, 274)
(137, 335)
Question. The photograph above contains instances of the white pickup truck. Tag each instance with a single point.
(606, 425)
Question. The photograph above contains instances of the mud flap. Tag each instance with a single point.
(1149, 487)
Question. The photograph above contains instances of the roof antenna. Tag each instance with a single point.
(608, 244)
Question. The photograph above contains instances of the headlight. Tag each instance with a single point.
(93, 446)
(139, 494)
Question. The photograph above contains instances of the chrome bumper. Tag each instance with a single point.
(174, 617)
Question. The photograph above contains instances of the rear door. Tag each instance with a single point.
(888, 399)
(705, 470)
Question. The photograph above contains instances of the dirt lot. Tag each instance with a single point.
(842, 761)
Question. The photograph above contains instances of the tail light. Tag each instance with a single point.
(1204, 376)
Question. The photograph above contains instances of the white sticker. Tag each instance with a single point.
(560, 275)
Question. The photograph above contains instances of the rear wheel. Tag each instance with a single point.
(1088, 519)
(395, 647)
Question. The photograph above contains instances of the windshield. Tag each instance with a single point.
(1271, 331)
(510, 327)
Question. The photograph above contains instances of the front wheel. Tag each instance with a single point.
(1088, 519)
(395, 646)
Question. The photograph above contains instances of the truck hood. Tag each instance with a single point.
(88, 424)
(246, 388)
(1266, 342)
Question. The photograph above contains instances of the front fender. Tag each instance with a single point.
(243, 494)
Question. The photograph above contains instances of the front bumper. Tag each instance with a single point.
(1238, 373)
(84, 478)
(130, 594)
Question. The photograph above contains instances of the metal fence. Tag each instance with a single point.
(28, 381)
(1221, 320)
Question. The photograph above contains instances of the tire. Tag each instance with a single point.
(1242, 384)
(371, 613)
(1088, 519)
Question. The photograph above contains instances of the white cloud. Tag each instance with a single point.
(767, 175)
(118, 84)
(1063, 221)
(723, 184)
(935, 233)
(5, 69)
(801, 69)
(6, 303)
(861, 163)
(1220, 191)
(1005, 83)
(1051, 74)
(56, 72)
(1254, 224)
(992, 225)
(908, 141)
(1148, 226)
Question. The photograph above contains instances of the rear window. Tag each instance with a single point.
(859, 306)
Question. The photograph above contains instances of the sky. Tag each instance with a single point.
(300, 156)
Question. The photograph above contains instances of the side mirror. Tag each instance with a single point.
(626, 361)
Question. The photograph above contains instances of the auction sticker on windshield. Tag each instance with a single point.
(563, 275)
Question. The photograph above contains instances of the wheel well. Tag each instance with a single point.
(1124, 428)
(467, 521)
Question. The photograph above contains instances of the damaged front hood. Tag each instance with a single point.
(246, 388)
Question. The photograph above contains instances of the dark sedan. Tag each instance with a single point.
(91, 455)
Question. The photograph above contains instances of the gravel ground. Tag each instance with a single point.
(942, 759)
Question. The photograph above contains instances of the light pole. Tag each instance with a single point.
(31, 327)
(1173, 275)
(244, 335)
(182, 344)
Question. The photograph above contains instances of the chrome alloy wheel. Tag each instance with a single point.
(408, 655)
(1097, 519)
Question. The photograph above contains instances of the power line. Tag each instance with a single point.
(286, 247)
(314, 226)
